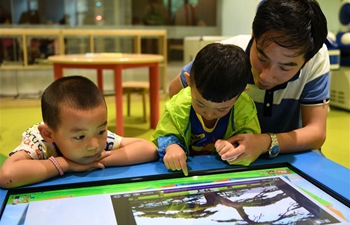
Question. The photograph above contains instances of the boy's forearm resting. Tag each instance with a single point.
(19, 170)
(140, 151)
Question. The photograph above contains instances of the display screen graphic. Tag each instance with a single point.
(276, 195)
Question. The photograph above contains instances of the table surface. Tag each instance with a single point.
(334, 176)
(106, 58)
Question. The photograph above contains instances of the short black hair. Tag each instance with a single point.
(293, 24)
(77, 92)
(220, 72)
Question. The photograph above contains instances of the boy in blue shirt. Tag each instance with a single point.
(200, 118)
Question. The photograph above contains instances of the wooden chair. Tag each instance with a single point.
(138, 87)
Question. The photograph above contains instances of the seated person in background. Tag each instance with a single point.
(289, 79)
(199, 119)
(72, 138)
(155, 13)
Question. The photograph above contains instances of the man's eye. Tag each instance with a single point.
(79, 137)
(101, 132)
(284, 69)
(261, 59)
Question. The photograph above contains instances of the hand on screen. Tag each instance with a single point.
(248, 149)
(175, 159)
(227, 150)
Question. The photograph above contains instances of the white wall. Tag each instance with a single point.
(331, 11)
(237, 15)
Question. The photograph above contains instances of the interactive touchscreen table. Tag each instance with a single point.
(264, 194)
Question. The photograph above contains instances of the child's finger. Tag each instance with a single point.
(232, 158)
(184, 167)
(167, 164)
(100, 166)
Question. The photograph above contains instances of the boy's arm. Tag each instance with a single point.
(175, 158)
(131, 151)
(20, 169)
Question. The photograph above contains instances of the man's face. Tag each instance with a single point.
(82, 134)
(273, 65)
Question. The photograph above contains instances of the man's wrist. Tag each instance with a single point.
(266, 140)
(274, 148)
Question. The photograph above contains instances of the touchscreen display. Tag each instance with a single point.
(277, 195)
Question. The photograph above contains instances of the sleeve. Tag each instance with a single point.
(165, 127)
(164, 142)
(245, 116)
(187, 69)
(34, 145)
(113, 141)
(170, 129)
(317, 79)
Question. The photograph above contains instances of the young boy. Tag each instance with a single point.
(72, 138)
(200, 118)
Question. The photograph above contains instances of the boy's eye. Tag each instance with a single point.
(79, 137)
(101, 132)
(200, 104)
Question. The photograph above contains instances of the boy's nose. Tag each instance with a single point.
(209, 114)
(93, 145)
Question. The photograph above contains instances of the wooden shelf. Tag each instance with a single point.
(61, 34)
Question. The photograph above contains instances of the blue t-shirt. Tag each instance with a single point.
(202, 138)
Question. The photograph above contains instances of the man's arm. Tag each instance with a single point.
(175, 86)
(311, 136)
(180, 81)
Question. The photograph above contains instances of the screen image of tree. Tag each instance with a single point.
(271, 200)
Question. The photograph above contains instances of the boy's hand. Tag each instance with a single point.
(77, 167)
(225, 148)
(175, 159)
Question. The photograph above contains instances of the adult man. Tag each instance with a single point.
(289, 82)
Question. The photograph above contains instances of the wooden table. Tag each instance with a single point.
(116, 62)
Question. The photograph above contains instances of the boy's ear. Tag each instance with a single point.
(46, 133)
(187, 76)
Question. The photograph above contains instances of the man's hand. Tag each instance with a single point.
(175, 159)
(249, 148)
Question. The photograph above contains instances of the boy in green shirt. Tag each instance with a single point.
(199, 119)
